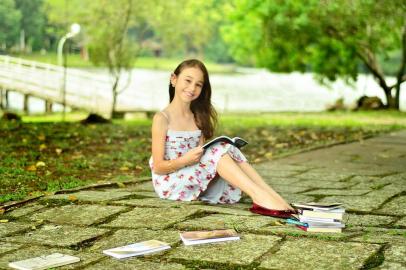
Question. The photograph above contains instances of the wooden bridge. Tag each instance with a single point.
(83, 90)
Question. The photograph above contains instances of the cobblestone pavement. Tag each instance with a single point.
(369, 177)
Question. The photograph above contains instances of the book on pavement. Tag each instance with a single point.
(204, 237)
(44, 262)
(137, 249)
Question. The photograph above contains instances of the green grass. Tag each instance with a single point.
(369, 119)
(42, 154)
(168, 64)
(54, 117)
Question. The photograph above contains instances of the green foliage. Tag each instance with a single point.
(32, 22)
(189, 27)
(174, 28)
(10, 17)
(109, 43)
(60, 14)
(330, 38)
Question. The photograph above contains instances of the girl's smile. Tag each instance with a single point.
(188, 85)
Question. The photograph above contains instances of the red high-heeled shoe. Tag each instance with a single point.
(271, 212)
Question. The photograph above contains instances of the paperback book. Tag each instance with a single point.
(316, 217)
(320, 229)
(204, 237)
(318, 206)
(137, 249)
(236, 141)
(44, 262)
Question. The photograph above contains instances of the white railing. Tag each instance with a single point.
(84, 90)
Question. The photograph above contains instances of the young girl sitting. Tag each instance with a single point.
(182, 170)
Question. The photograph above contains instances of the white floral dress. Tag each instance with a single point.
(192, 182)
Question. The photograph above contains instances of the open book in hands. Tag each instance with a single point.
(236, 141)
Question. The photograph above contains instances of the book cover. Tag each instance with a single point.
(317, 205)
(325, 225)
(236, 141)
(203, 237)
(319, 214)
(137, 249)
(321, 220)
(296, 222)
(44, 262)
(332, 208)
(318, 229)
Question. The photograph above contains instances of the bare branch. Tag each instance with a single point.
(400, 76)
(370, 61)
(403, 79)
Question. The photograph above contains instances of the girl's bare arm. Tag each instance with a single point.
(160, 165)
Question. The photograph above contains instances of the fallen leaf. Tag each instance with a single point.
(124, 168)
(138, 168)
(58, 151)
(41, 137)
(314, 136)
(257, 160)
(31, 168)
(278, 223)
(121, 185)
(72, 198)
(3, 220)
(40, 164)
(42, 147)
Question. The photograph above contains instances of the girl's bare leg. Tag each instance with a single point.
(254, 176)
(228, 169)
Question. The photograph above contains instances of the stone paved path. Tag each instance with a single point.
(369, 177)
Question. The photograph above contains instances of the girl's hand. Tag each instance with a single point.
(193, 156)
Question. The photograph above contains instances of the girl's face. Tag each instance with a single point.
(188, 84)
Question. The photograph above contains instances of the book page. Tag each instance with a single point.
(199, 235)
(45, 262)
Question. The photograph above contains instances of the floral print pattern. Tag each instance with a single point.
(200, 180)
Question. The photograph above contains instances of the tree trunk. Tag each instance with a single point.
(1, 99)
(397, 97)
(391, 101)
(115, 93)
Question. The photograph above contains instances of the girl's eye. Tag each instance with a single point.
(188, 81)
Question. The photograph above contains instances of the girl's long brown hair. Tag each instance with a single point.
(204, 112)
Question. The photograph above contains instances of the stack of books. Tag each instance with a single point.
(318, 217)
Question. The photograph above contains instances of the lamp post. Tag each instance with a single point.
(74, 30)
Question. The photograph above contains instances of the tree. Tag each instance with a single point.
(189, 26)
(332, 38)
(32, 22)
(9, 24)
(60, 15)
(107, 24)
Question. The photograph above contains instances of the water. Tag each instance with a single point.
(255, 90)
